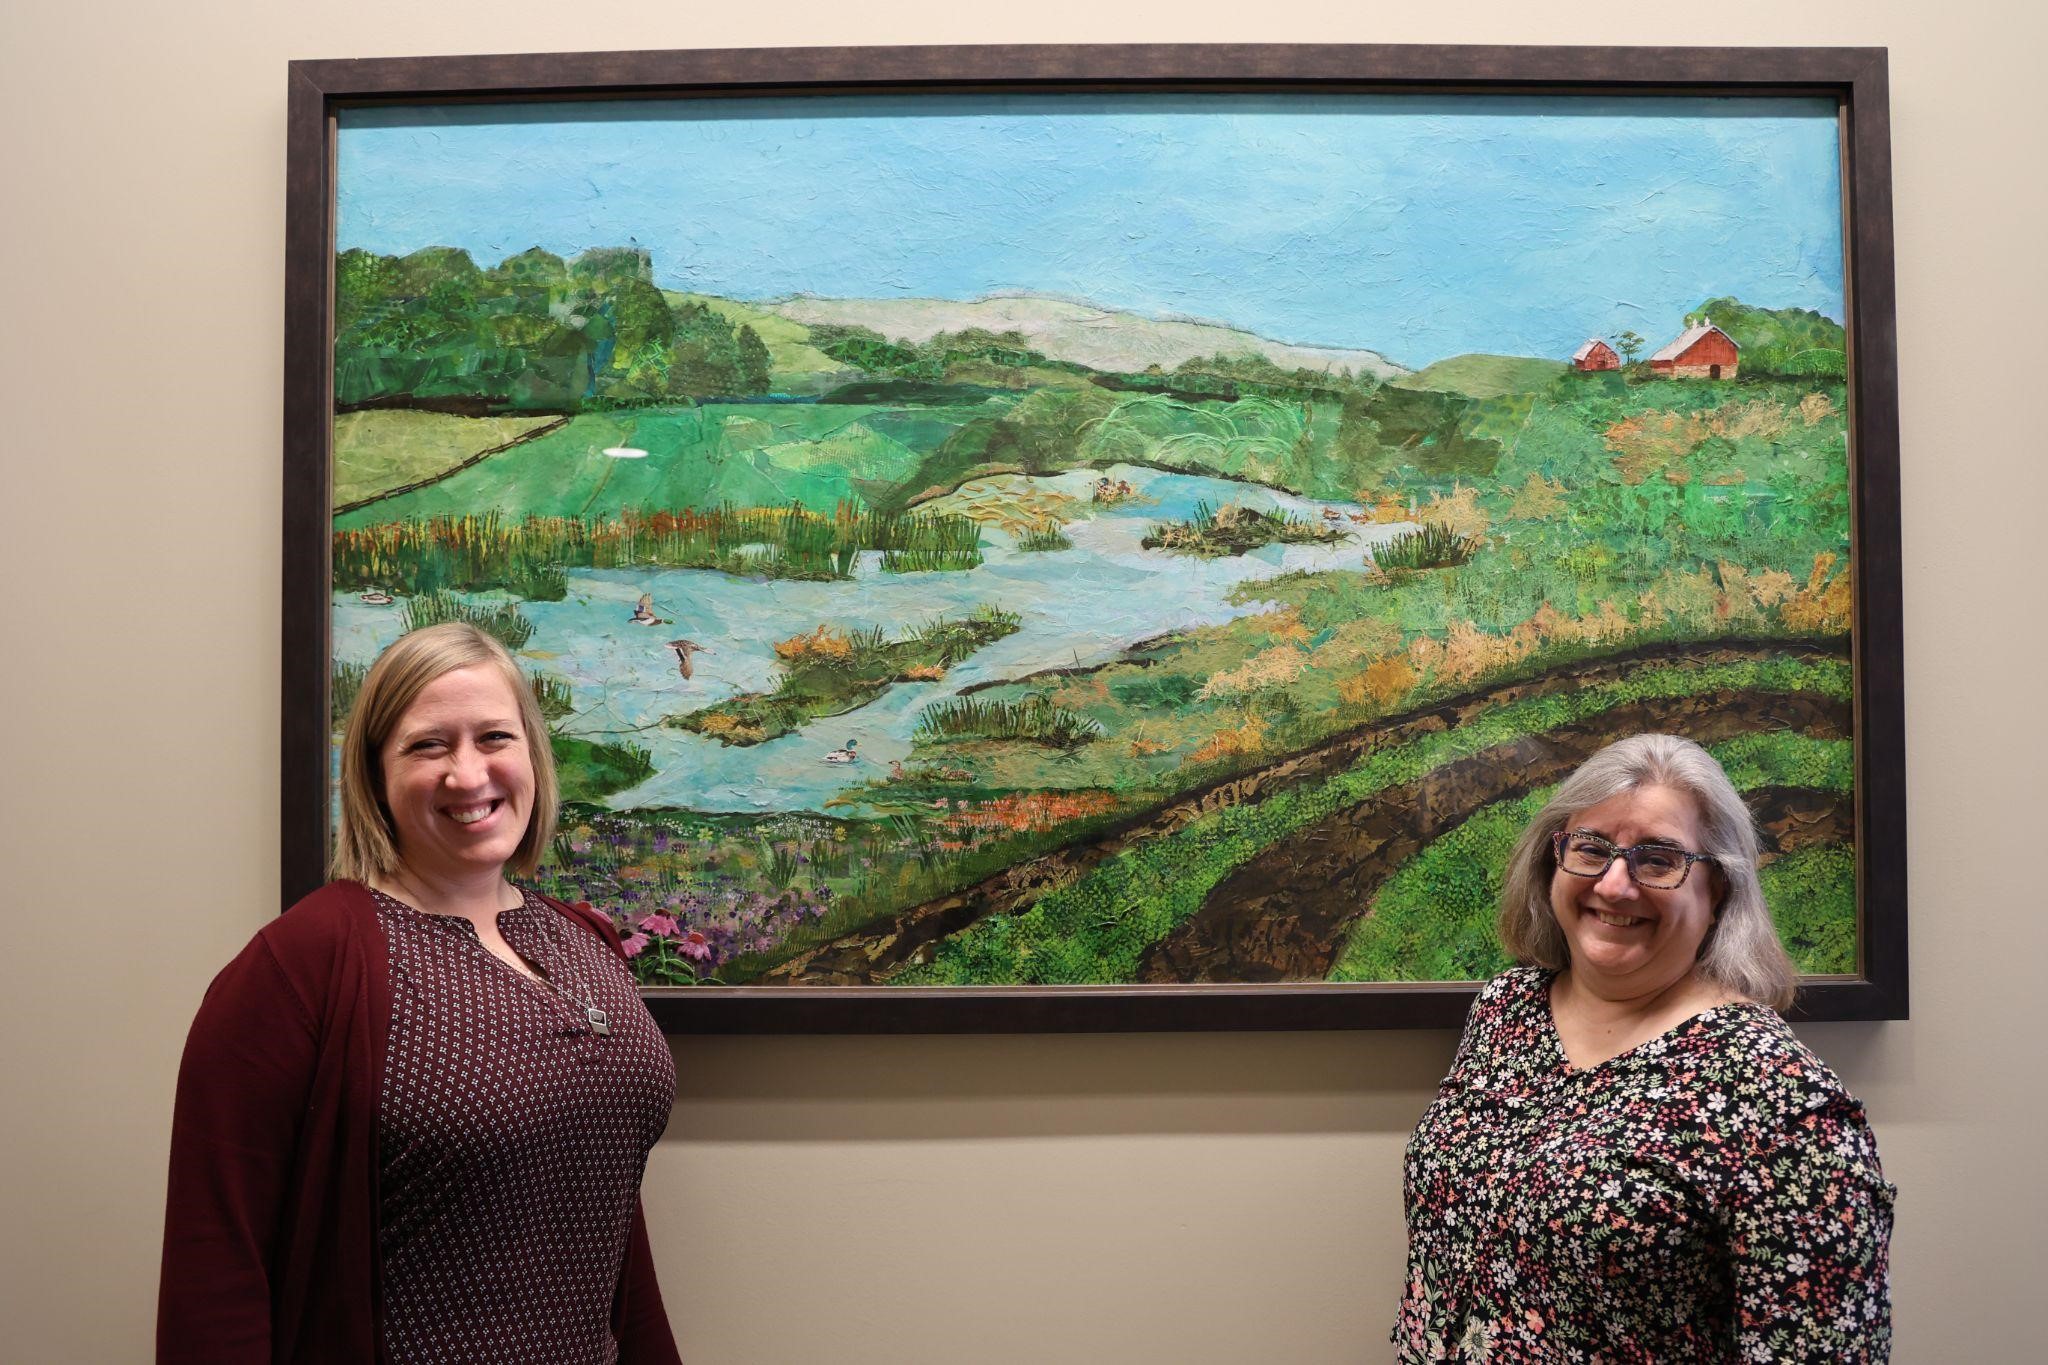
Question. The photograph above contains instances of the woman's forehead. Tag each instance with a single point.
(476, 693)
(1642, 812)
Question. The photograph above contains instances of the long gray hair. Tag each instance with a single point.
(1741, 951)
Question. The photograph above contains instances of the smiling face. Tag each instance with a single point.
(458, 777)
(1628, 940)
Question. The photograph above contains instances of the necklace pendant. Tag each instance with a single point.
(600, 1022)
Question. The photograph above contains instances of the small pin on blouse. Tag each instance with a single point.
(600, 1022)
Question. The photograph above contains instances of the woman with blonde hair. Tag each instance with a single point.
(413, 1114)
(1632, 1157)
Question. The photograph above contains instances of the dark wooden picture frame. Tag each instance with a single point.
(1853, 77)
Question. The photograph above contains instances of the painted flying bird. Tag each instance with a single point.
(684, 649)
(643, 614)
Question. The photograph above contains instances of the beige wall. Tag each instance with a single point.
(1168, 1198)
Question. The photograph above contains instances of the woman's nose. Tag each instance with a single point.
(466, 767)
(1615, 882)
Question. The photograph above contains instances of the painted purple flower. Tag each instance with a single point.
(695, 947)
(658, 924)
(635, 944)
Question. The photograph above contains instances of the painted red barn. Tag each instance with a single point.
(1595, 355)
(1702, 351)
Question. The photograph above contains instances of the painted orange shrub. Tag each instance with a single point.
(1381, 509)
(1384, 682)
(1285, 624)
(923, 673)
(1275, 667)
(1824, 604)
(1460, 512)
(1537, 500)
(719, 725)
(823, 645)
(1759, 417)
(1248, 738)
(1650, 441)
(1815, 408)
(1031, 811)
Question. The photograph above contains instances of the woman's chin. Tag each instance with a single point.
(1603, 953)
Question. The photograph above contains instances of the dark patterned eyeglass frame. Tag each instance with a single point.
(1627, 855)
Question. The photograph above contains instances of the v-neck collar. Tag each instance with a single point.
(1569, 1068)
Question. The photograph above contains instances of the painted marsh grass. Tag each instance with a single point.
(528, 557)
(500, 620)
(1052, 536)
(1033, 718)
(1435, 546)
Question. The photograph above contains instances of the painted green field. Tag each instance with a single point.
(1101, 926)
(375, 452)
(747, 455)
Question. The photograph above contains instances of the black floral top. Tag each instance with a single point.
(1711, 1195)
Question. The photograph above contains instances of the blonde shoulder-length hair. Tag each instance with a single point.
(1741, 952)
(366, 844)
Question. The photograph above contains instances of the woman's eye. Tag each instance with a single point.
(1658, 860)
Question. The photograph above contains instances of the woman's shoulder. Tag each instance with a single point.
(1517, 999)
(1516, 985)
(1776, 1081)
(290, 966)
(319, 925)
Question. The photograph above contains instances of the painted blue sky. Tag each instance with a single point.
(1419, 227)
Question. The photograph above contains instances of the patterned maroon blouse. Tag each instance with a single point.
(1712, 1195)
(512, 1134)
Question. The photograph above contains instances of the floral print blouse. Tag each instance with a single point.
(1711, 1195)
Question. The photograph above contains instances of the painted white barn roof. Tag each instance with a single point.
(1587, 348)
(1691, 335)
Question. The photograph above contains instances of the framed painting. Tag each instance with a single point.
(1103, 538)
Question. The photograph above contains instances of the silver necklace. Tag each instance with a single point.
(599, 1021)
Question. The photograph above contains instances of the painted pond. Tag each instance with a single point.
(1078, 607)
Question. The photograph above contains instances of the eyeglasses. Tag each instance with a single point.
(1657, 866)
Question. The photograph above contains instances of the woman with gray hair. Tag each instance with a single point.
(1632, 1157)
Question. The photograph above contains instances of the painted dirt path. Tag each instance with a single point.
(1284, 916)
(868, 956)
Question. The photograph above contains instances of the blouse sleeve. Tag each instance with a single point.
(241, 1086)
(641, 1324)
(1811, 1221)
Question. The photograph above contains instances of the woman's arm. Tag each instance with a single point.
(241, 1088)
(1811, 1223)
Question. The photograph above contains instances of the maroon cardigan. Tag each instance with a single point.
(270, 1231)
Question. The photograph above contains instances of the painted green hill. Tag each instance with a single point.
(1484, 376)
(791, 357)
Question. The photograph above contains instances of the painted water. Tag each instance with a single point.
(1078, 607)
